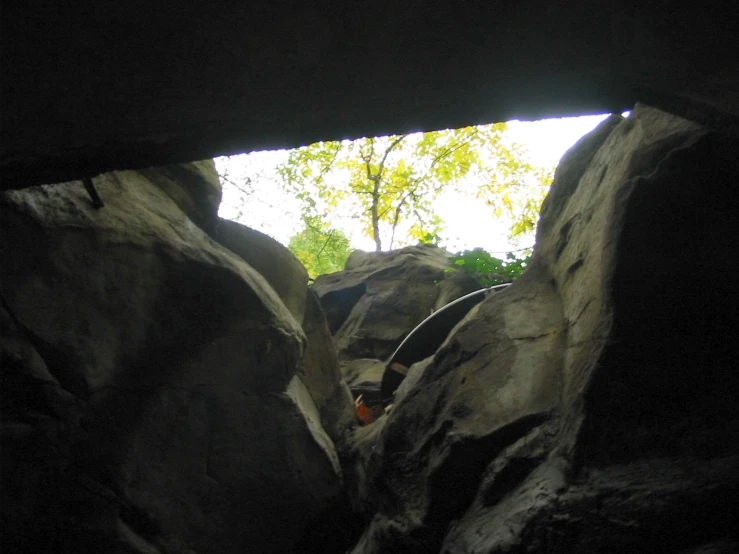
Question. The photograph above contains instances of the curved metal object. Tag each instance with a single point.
(426, 338)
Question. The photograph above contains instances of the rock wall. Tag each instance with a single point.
(381, 296)
(377, 300)
(158, 394)
(171, 386)
(590, 407)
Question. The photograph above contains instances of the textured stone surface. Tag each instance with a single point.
(195, 188)
(381, 296)
(321, 374)
(152, 384)
(455, 285)
(158, 396)
(282, 270)
(364, 376)
(588, 407)
(289, 279)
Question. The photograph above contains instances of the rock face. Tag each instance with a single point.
(194, 187)
(381, 296)
(166, 390)
(364, 377)
(321, 374)
(282, 270)
(289, 279)
(378, 300)
(590, 407)
(157, 394)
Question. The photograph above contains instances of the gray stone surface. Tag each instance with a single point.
(153, 391)
(321, 374)
(364, 376)
(289, 279)
(159, 397)
(282, 270)
(194, 187)
(380, 297)
(588, 407)
(455, 285)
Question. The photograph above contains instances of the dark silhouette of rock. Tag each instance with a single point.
(638, 243)
(157, 394)
(425, 339)
(193, 82)
(589, 407)
(378, 300)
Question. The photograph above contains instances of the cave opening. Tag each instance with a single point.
(313, 200)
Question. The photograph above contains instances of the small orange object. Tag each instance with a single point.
(365, 413)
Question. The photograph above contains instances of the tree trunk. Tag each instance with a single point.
(375, 216)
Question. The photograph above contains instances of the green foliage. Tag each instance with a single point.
(517, 188)
(389, 183)
(430, 238)
(488, 269)
(320, 248)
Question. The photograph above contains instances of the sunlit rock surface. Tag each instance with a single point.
(157, 394)
(378, 300)
(590, 407)
(380, 297)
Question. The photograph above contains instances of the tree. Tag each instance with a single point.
(320, 248)
(391, 181)
(520, 198)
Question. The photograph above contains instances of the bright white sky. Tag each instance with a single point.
(469, 222)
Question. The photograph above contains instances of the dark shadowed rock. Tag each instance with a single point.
(364, 376)
(321, 374)
(588, 407)
(415, 372)
(153, 392)
(381, 296)
(282, 270)
(289, 279)
(464, 409)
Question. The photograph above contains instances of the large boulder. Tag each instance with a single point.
(364, 378)
(289, 279)
(321, 374)
(380, 297)
(154, 392)
(282, 270)
(195, 187)
(590, 407)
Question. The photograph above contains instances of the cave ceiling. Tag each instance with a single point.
(141, 83)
